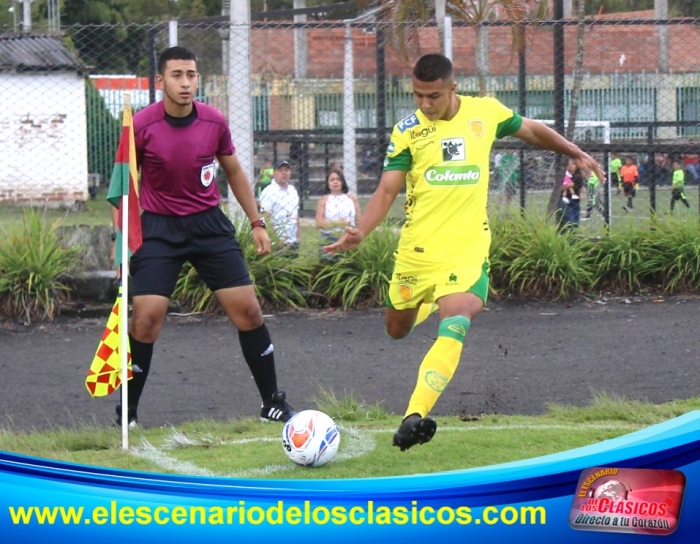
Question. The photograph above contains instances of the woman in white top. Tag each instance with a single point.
(336, 209)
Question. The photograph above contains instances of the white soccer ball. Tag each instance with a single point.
(310, 438)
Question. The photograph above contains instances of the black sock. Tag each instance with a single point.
(260, 356)
(141, 354)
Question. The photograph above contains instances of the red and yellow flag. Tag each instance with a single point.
(104, 376)
(125, 181)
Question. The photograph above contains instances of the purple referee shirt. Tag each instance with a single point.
(177, 164)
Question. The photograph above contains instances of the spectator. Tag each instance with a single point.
(368, 160)
(264, 177)
(691, 163)
(615, 165)
(678, 191)
(336, 209)
(658, 172)
(592, 190)
(570, 205)
(629, 176)
(279, 202)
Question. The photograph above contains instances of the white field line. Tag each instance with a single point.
(353, 444)
(533, 427)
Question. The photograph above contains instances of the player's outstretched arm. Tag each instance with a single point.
(378, 206)
(540, 135)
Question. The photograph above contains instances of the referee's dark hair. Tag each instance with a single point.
(174, 53)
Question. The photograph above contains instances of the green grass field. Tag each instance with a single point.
(246, 448)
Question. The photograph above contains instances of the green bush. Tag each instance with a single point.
(359, 278)
(673, 255)
(619, 262)
(531, 258)
(33, 264)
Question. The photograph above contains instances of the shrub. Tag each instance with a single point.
(531, 258)
(360, 277)
(620, 261)
(33, 264)
(674, 255)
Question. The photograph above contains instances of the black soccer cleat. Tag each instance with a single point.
(414, 430)
(276, 410)
(133, 418)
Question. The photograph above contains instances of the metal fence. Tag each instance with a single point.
(328, 93)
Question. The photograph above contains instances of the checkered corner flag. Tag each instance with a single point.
(104, 376)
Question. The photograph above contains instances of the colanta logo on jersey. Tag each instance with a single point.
(408, 122)
(469, 174)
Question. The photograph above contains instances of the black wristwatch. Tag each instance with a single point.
(258, 223)
(113, 236)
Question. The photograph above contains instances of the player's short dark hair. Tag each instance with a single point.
(432, 67)
(174, 53)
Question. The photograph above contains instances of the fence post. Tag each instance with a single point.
(381, 97)
(522, 106)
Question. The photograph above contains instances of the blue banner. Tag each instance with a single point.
(535, 500)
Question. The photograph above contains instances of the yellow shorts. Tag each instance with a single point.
(412, 284)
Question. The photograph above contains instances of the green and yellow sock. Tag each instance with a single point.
(438, 365)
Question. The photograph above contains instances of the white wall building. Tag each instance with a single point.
(43, 123)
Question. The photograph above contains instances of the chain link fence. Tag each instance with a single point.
(324, 95)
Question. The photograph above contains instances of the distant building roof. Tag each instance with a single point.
(33, 53)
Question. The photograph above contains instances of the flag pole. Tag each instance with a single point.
(124, 313)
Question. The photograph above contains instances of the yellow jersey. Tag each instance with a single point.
(447, 180)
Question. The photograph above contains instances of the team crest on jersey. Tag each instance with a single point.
(477, 127)
(405, 291)
(408, 122)
(453, 149)
(206, 176)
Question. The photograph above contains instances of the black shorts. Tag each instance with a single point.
(206, 239)
(629, 189)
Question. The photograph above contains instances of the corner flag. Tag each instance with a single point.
(104, 376)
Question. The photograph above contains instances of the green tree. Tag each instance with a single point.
(475, 12)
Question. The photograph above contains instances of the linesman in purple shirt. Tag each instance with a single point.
(178, 141)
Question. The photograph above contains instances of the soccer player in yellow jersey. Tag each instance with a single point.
(441, 154)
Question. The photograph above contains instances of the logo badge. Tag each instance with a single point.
(405, 291)
(408, 122)
(628, 500)
(206, 176)
(437, 382)
(453, 175)
(453, 149)
(477, 127)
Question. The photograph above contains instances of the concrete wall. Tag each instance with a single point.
(43, 138)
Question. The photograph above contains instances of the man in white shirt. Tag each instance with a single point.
(279, 201)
